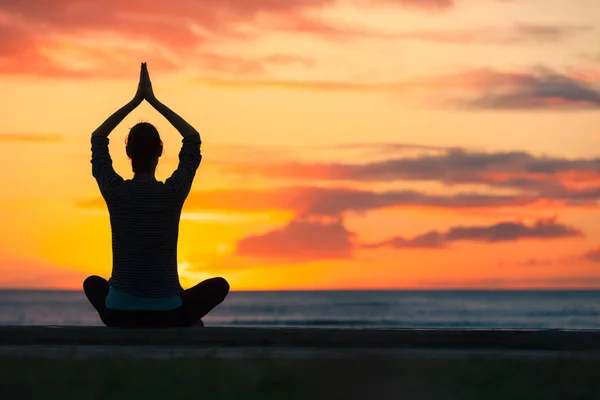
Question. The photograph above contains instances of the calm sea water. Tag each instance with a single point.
(370, 309)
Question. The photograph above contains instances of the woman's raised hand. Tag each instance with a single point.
(140, 95)
(144, 90)
(148, 92)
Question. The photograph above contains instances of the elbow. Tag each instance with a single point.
(192, 135)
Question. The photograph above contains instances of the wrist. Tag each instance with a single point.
(153, 101)
(135, 102)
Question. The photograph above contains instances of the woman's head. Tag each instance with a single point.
(143, 147)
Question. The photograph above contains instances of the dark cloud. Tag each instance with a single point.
(541, 176)
(544, 89)
(335, 201)
(517, 34)
(300, 240)
(593, 255)
(500, 232)
(561, 181)
(547, 33)
(538, 89)
(430, 240)
(509, 231)
(322, 201)
(536, 262)
(331, 201)
(387, 147)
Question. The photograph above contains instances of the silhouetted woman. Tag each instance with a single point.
(144, 290)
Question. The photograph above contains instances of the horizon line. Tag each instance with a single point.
(451, 289)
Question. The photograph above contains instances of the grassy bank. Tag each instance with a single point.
(278, 378)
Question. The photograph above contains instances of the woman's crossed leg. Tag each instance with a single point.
(197, 301)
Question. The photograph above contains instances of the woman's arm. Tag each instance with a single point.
(189, 155)
(111, 123)
(102, 168)
(185, 129)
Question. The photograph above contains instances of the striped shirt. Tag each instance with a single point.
(144, 219)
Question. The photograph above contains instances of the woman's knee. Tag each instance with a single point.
(221, 286)
(94, 284)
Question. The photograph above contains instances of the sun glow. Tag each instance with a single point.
(225, 217)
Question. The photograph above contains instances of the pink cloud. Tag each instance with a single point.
(313, 239)
(549, 177)
(169, 34)
(301, 240)
(534, 180)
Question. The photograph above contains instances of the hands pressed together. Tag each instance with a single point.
(144, 90)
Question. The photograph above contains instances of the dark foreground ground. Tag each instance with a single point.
(224, 363)
(317, 378)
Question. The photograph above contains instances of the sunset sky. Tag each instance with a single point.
(349, 144)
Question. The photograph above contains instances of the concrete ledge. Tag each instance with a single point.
(556, 340)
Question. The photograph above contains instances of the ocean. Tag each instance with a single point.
(344, 309)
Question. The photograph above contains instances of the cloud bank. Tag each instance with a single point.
(501, 232)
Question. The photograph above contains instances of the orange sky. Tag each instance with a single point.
(347, 144)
